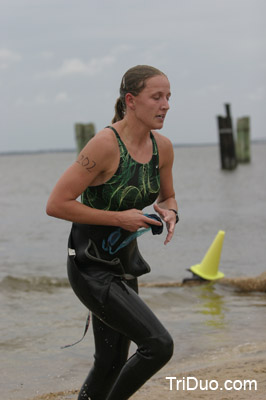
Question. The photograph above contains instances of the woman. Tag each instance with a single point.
(124, 168)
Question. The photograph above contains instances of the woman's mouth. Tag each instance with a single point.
(161, 116)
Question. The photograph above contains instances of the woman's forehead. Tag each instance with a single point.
(158, 82)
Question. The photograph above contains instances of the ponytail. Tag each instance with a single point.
(119, 111)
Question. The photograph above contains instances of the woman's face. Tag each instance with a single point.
(152, 103)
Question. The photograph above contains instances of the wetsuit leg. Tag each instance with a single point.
(124, 311)
(155, 345)
(111, 353)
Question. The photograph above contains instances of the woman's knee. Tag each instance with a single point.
(160, 348)
(165, 347)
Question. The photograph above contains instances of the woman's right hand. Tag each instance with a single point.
(133, 219)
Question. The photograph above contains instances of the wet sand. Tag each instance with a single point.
(242, 369)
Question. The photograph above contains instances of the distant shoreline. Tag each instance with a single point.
(32, 152)
(73, 150)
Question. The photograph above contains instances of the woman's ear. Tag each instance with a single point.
(130, 101)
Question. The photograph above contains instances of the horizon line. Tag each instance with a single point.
(72, 150)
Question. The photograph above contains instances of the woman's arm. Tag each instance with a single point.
(89, 169)
(96, 163)
(166, 199)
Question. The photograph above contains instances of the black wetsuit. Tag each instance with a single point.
(103, 265)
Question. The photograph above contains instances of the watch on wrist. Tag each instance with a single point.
(176, 214)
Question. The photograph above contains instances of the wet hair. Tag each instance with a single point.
(133, 82)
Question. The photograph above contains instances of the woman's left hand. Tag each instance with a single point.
(169, 218)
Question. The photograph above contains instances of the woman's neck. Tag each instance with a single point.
(132, 133)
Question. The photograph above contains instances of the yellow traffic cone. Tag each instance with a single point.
(208, 268)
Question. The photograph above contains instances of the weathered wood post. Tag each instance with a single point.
(83, 133)
(243, 139)
(226, 139)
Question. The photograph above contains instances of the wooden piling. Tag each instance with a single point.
(226, 140)
(83, 133)
(243, 140)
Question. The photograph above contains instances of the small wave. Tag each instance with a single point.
(45, 283)
(243, 284)
(247, 284)
(32, 283)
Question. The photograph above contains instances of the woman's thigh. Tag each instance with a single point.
(116, 304)
(127, 313)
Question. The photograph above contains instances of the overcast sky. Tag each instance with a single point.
(61, 62)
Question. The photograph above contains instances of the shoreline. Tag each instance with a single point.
(246, 370)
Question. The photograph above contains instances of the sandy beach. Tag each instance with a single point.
(236, 372)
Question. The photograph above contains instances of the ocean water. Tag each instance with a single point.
(40, 313)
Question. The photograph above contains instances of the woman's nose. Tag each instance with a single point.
(166, 105)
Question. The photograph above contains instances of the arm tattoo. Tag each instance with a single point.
(86, 162)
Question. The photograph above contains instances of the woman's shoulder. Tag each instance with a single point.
(165, 149)
(102, 149)
(163, 143)
(104, 140)
(105, 134)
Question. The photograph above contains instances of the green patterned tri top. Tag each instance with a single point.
(134, 185)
